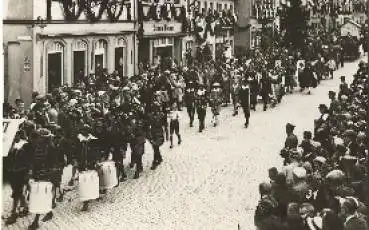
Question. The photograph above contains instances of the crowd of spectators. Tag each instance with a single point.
(323, 184)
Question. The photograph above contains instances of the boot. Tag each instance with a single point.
(35, 225)
(24, 212)
(85, 206)
(179, 139)
(154, 165)
(60, 198)
(12, 219)
(123, 176)
(137, 174)
(171, 142)
(48, 216)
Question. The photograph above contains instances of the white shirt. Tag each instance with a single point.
(174, 115)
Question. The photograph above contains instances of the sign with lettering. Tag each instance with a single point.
(161, 28)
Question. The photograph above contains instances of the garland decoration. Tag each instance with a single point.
(73, 9)
(95, 9)
(152, 13)
(115, 9)
(163, 12)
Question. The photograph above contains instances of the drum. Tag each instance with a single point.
(40, 198)
(88, 187)
(108, 175)
(67, 175)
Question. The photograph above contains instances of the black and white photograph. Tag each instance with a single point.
(184, 114)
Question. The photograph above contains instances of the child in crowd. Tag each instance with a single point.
(174, 124)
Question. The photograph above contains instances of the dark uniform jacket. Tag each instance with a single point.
(291, 142)
(156, 129)
(244, 94)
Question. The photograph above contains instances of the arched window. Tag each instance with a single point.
(79, 49)
(55, 65)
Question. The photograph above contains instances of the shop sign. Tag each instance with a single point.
(161, 28)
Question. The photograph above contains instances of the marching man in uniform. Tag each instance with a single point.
(215, 101)
(201, 104)
(244, 94)
(156, 134)
(42, 172)
(189, 99)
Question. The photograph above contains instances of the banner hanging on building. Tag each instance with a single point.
(10, 128)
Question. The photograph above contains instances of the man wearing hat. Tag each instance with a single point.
(321, 124)
(201, 101)
(344, 88)
(189, 99)
(244, 95)
(291, 140)
(334, 106)
(352, 221)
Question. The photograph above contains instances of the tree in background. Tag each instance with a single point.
(294, 22)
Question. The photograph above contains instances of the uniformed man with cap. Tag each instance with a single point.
(201, 100)
(136, 132)
(189, 99)
(244, 95)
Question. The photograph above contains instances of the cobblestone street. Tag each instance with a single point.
(209, 182)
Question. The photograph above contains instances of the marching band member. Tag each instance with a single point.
(42, 169)
(201, 101)
(86, 158)
(215, 101)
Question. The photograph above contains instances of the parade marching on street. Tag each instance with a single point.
(185, 114)
(198, 186)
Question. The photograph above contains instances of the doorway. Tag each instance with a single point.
(99, 63)
(119, 60)
(164, 52)
(79, 62)
(165, 55)
(54, 70)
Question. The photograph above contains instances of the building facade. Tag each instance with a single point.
(258, 21)
(56, 42)
(211, 23)
(162, 29)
